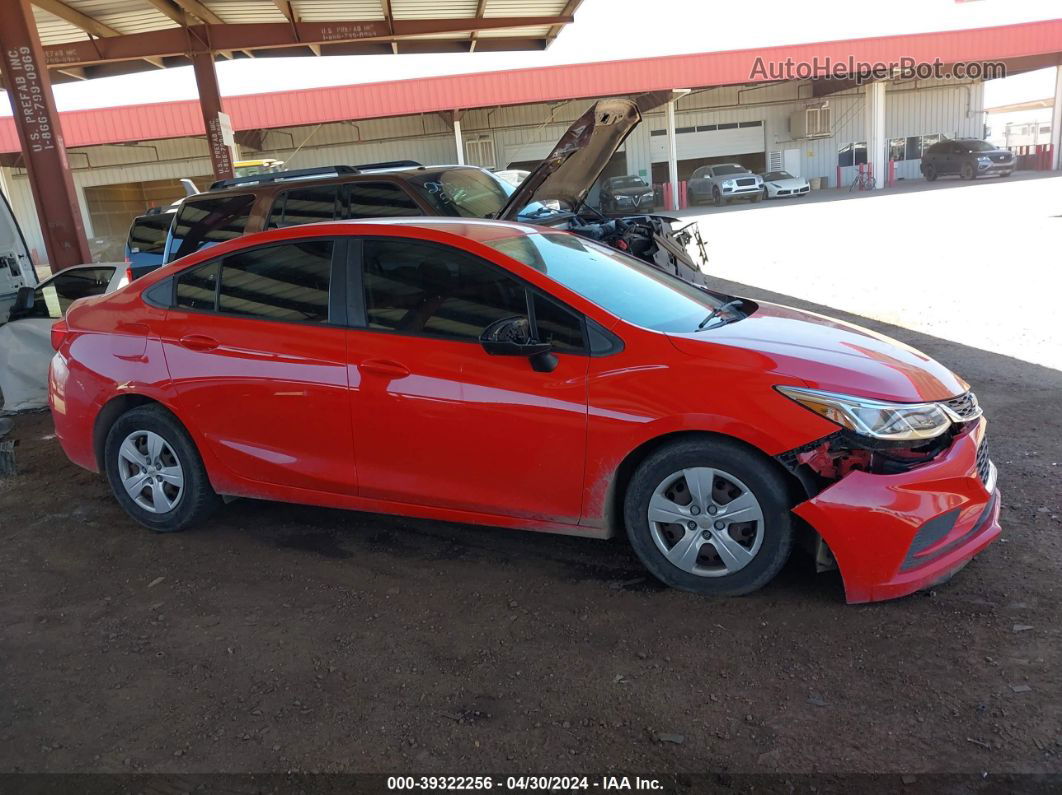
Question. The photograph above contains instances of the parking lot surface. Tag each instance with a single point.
(286, 638)
(971, 262)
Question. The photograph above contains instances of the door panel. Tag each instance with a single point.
(437, 420)
(467, 430)
(269, 398)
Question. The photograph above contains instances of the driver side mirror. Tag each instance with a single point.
(511, 336)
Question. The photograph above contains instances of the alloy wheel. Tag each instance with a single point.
(706, 522)
(150, 472)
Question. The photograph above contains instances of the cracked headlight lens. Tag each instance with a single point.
(874, 418)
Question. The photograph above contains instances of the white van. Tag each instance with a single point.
(16, 268)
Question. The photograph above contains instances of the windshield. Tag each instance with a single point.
(627, 182)
(620, 284)
(771, 176)
(723, 170)
(471, 193)
(976, 146)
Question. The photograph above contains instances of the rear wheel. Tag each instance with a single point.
(709, 516)
(155, 471)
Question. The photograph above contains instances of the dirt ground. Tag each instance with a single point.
(285, 638)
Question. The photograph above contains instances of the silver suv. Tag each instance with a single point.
(722, 183)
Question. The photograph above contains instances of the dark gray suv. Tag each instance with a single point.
(968, 158)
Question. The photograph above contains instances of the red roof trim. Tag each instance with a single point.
(520, 86)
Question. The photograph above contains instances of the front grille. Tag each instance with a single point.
(965, 406)
(999, 158)
(983, 461)
(744, 182)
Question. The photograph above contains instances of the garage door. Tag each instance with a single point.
(710, 140)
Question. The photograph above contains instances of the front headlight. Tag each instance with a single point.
(877, 419)
(648, 195)
(728, 183)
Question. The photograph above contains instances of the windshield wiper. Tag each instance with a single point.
(721, 308)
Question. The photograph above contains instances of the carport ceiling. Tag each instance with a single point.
(91, 38)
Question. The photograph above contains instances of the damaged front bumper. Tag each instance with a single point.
(894, 534)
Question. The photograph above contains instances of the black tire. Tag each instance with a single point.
(929, 171)
(968, 171)
(758, 197)
(691, 198)
(197, 499)
(762, 479)
(717, 197)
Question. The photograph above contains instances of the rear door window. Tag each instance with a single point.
(287, 282)
(304, 206)
(378, 200)
(207, 222)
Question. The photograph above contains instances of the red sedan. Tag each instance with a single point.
(509, 375)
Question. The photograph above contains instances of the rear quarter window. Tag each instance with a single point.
(207, 222)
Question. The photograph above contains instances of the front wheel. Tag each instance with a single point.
(709, 516)
(759, 196)
(968, 171)
(155, 471)
(929, 171)
(717, 197)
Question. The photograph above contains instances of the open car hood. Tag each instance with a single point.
(581, 154)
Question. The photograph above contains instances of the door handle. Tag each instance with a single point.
(384, 367)
(197, 342)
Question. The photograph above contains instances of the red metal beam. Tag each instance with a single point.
(41, 136)
(210, 103)
(266, 35)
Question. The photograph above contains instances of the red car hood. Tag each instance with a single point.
(830, 354)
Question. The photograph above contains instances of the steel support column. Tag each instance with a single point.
(672, 155)
(1056, 123)
(459, 141)
(40, 134)
(877, 155)
(206, 79)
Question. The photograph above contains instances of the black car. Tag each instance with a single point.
(969, 158)
(626, 194)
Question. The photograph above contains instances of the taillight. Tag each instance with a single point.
(59, 332)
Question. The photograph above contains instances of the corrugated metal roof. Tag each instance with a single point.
(141, 16)
(1027, 45)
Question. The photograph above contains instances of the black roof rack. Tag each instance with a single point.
(388, 164)
(309, 173)
(280, 176)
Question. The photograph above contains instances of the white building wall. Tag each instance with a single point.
(528, 132)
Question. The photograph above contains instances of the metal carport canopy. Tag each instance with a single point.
(81, 39)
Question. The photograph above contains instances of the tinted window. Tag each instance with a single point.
(196, 288)
(620, 284)
(420, 288)
(147, 235)
(304, 206)
(206, 222)
(52, 298)
(288, 282)
(376, 199)
(558, 325)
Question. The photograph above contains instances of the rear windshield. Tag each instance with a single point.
(207, 222)
(147, 235)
